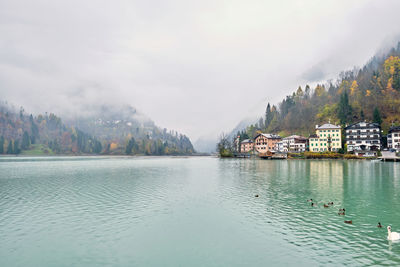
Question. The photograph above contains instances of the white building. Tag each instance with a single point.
(281, 146)
(293, 143)
(393, 138)
(363, 138)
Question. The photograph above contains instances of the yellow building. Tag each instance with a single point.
(327, 137)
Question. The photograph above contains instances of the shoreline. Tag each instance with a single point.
(102, 156)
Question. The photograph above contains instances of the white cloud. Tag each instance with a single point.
(194, 66)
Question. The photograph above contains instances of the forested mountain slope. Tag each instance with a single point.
(109, 130)
(369, 93)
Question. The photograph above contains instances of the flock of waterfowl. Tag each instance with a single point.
(391, 235)
(341, 212)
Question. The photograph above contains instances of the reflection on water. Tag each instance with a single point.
(196, 211)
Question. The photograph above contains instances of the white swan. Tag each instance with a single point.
(392, 235)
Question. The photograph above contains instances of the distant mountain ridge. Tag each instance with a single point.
(106, 129)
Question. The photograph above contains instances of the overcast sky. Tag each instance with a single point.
(198, 67)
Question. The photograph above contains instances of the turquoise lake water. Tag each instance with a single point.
(196, 211)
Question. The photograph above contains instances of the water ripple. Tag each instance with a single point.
(186, 211)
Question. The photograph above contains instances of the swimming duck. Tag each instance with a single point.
(392, 235)
(379, 225)
(330, 203)
(312, 204)
(309, 200)
(349, 222)
(256, 196)
(326, 206)
(342, 212)
(341, 209)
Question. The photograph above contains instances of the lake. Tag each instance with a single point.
(196, 211)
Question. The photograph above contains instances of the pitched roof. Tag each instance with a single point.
(328, 126)
(358, 124)
(295, 137)
(394, 129)
(247, 141)
(269, 136)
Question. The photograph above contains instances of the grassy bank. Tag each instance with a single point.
(323, 155)
(38, 150)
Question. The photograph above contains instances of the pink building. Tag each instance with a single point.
(266, 142)
(246, 146)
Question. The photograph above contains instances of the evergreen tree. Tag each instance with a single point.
(25, 141)
(129, 146)
(344, 109)
(1, 144)
(261, 123)
(377, 116)
(16, 149)
(10, 148)
(268, 116)
(362, 116)
(107, 149)
(307, 91)
(34, 130)
(21, 113)
(97, 147)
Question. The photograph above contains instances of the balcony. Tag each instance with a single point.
(375, 137)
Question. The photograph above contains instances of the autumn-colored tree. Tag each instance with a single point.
(392, 70)
(113, 146)
(353, 88)
(299, 92)
(319, 90)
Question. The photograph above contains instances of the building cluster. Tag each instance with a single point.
(362, 139)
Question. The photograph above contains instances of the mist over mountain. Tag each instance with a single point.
(242, 125)
(113, 121)
(106, 129)
(205, 144)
